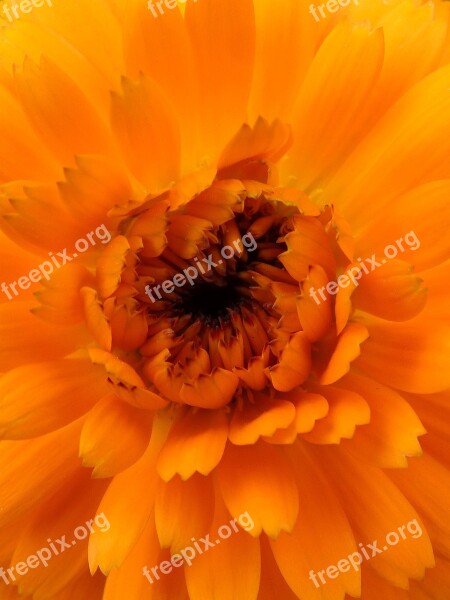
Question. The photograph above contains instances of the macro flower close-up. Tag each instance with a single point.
(224, 308)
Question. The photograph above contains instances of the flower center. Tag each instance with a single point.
(211, 303)
(207, 300)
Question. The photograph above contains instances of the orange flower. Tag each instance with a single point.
(245, 343)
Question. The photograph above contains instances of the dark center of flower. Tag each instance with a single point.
(211, 303)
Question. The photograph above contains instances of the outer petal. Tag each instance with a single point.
(195, 444)
(229, 571)
(347, 349)
(21, 154)
(43, 459)
(285, 37)
(393, 292)
(42, 397)
(160, 48)
(225, 62)
(147, 131)
(114, 436)
(346, 411)
(394, 427)
(258, 479)
(345, 69)
(413, 356)
(273, 585)
(23, 336)
(72, 507)
(183, 510)
(427, 484)
(408, 146)
(109, 549)
(308, 545)
(60, 112)
(363, 490)
(422, 238)
(128, 581)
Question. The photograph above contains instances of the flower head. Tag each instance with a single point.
(247, 323)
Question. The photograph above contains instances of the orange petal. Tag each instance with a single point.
(114, 436)
(309, 540)
(187, 234)
(347, 349)
(405, 45)
(254, 376)
(231, 570)
(294, 364)
(129, 580)
(147, 132)
(393, 292)
(96, 321)
(308, 409)
(275, 87)
(195, 444)
(108, 549)
(224, 63)
(210, 391)
(258, 479)
(429, 497)
(41, 397)
(111, 264)
(374, 587)
(411, 356)
(60, 112)
(308, 245)
(410, 143)
(179, 514)
(36, 218)
(151, 225)
(95, 186)
(171, 66)
(422, 241)
(86, 586)
(22, 156)
(346, 66)
(363, 490)
(261, 418)
(273, 585)
(55, 453)
(218, 203)
(394, 427)
(346, 410)
(23, 336)
(262, 141)
(60, 299)
(128, 327)
(436, 583)
(125, 382)
(314, 315)
(72, 509)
